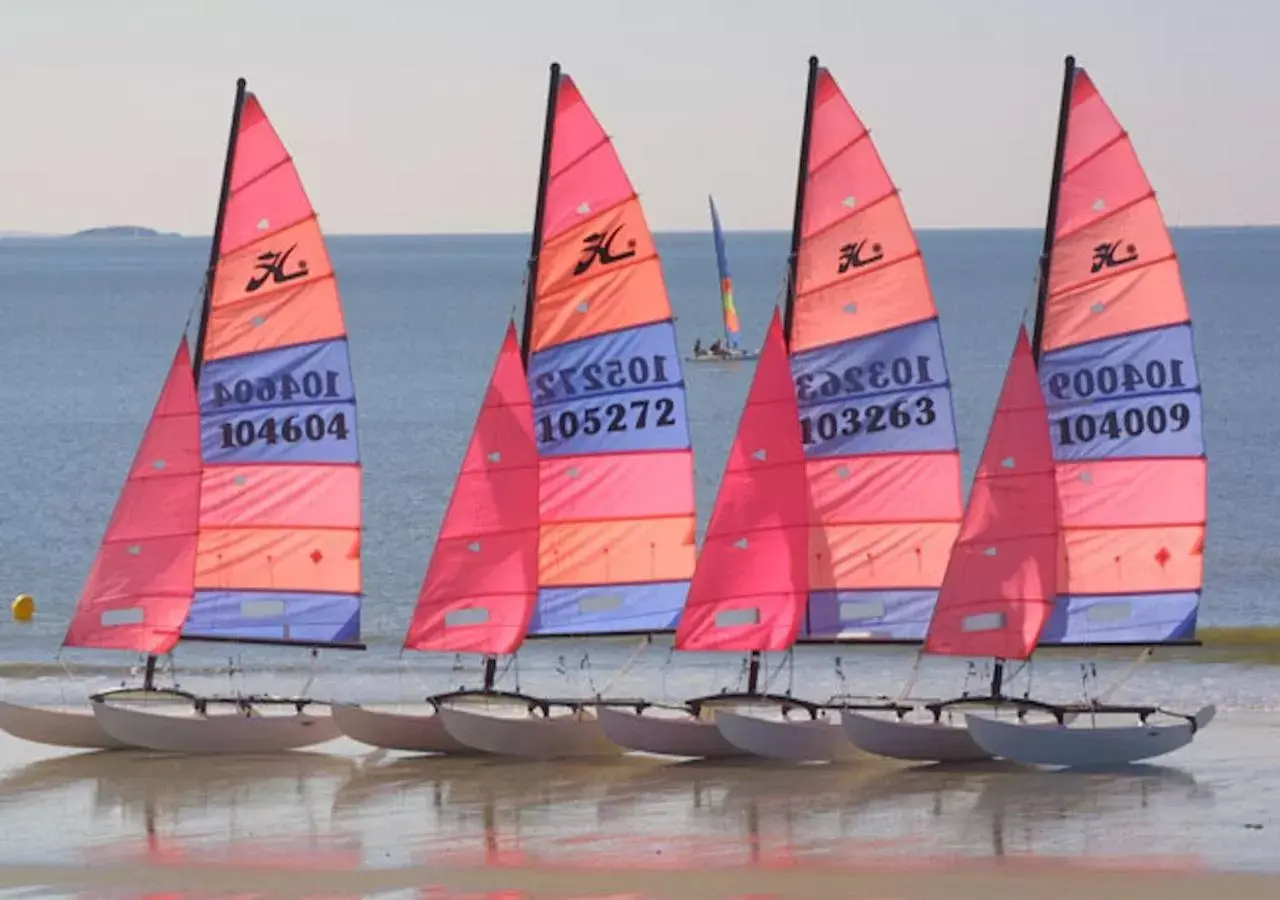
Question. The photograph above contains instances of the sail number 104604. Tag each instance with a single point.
(285, 429)
(313, 385)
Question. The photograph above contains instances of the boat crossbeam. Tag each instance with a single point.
(541, 705)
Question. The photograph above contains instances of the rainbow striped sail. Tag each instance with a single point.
(616, 496)
(871, 378)
(731, 326)
(1118, 368)
(279, 547)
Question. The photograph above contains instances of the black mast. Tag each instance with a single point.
(797, 222)
(793, 259)
(535, 248)
(1051, 218)
(1046, 259)
(211, 272)
(148, 681)
(531, 277)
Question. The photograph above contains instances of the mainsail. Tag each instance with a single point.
(139, 590)
(482, 581)
(1117, 364)
(750, 588)
(731, 326)
(280, 518)
(616, 498)
(1001, 579)
(874, 392)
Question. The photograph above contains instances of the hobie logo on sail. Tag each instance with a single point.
(272, 264)
(599, 246)
(851, 256)
(1104, 256)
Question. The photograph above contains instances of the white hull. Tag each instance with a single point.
(77, 728)
(916, 741)
(182, 730)
(415, 732)
(793, 740)
(513, 732)
(666, 735)
(1076, 746)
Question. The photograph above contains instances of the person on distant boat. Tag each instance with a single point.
(697, 347)
(716, 348)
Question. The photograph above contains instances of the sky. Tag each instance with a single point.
(409, 117)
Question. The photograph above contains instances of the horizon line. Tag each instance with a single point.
(12, 233)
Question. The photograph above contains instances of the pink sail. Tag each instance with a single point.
(1119, 373)
(873, 388)
(482, 582)
(140, 588)
(999, 586)
(751, 583)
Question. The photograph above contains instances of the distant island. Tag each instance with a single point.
(123, 231)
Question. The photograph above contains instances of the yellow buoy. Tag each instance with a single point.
(23, 608)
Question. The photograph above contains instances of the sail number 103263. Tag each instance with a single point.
(868, 419)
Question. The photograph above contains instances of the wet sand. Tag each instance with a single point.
(349, 821)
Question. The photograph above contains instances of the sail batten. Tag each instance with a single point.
(1120, 378)
(616, 501)
(873, 390)
(280, 520)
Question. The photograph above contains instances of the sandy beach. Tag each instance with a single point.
(349, 821)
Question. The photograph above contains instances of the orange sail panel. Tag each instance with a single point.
(751, 584)
(1002, 577)
(140, 587)
(616, 548)
(1119, 374)
(280, 515)
(876, 410)
(482, 581)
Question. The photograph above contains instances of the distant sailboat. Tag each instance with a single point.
(574, 511)
(839, 530)
(1112, 344)
(277, 556)
(730, 349)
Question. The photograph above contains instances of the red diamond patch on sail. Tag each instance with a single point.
(316, 556)
(1163, 556)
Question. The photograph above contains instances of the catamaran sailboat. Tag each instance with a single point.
(866, 492)
(729, 349)
(240, 518)
(574, 512)
(276, 553)
(1112, 344)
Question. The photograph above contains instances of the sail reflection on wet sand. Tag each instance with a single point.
(356, 824)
